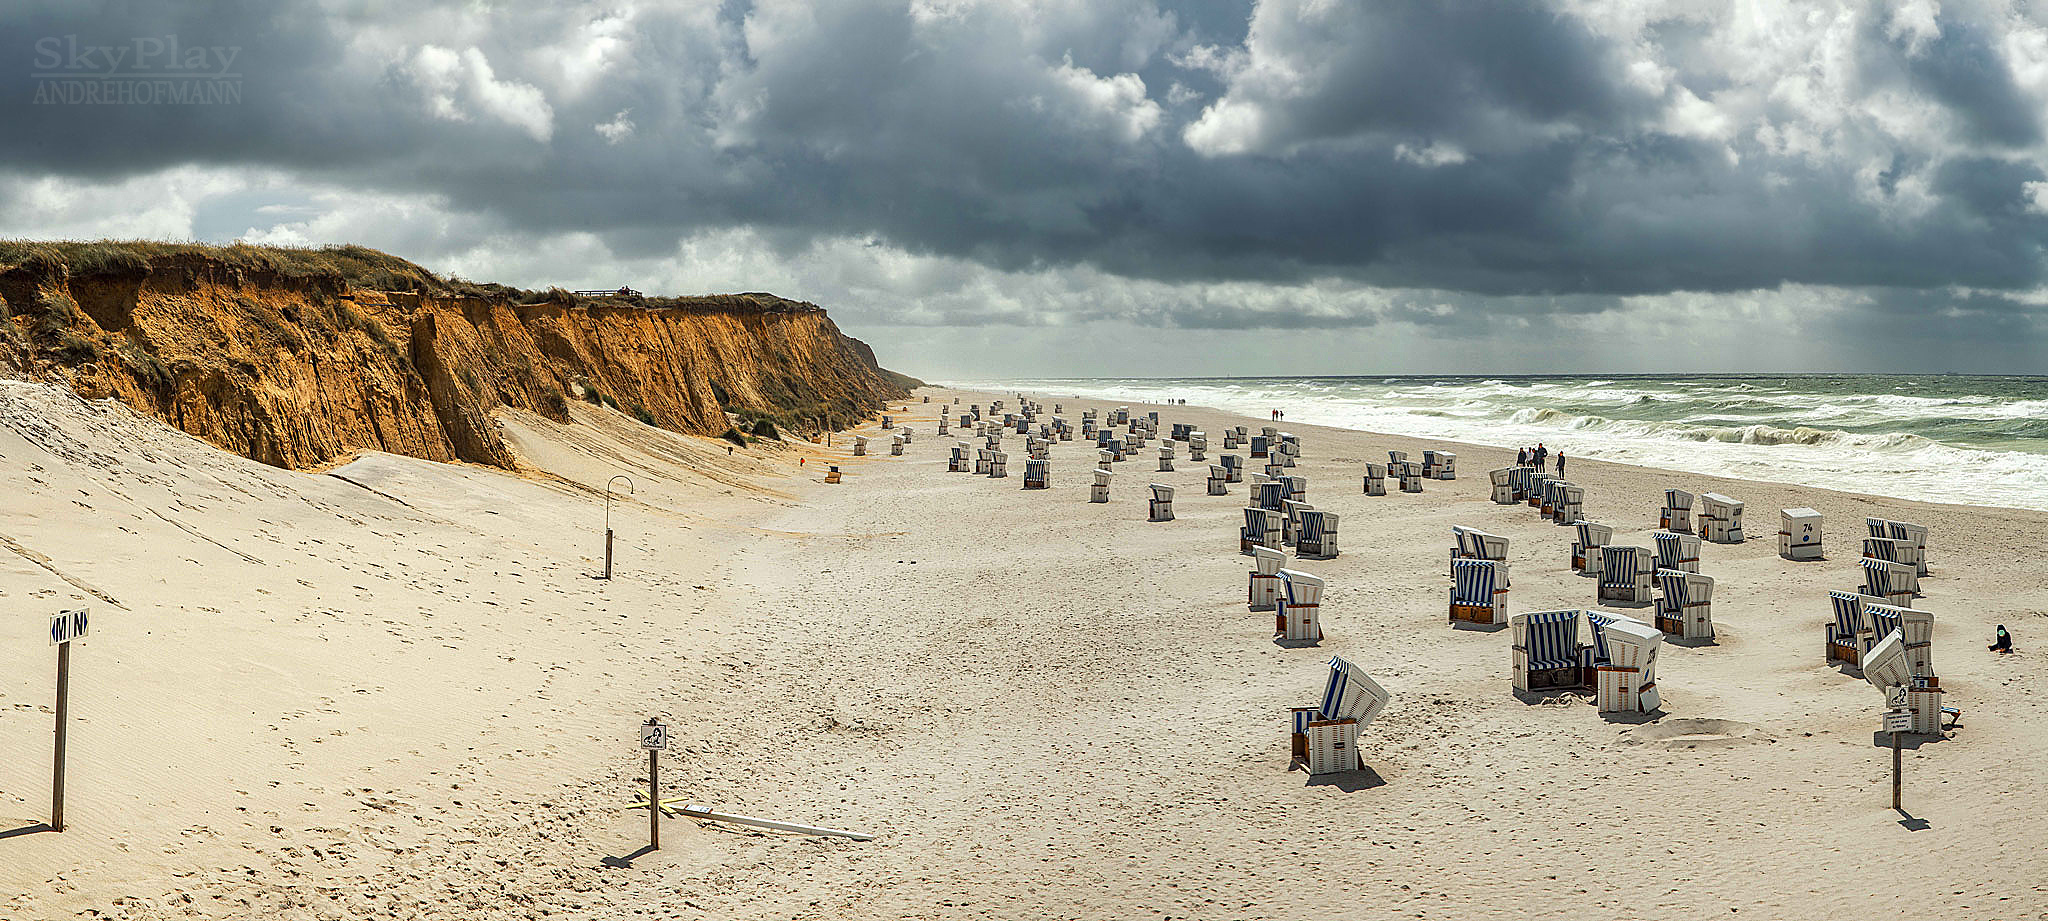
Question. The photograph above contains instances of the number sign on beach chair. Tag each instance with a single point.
(1799, 534)
(1324, 738)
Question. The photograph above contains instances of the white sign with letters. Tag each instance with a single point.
(654, 735)
(1898, 721)
(67, 626)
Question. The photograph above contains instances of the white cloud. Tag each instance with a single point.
(618, 129)
(457, 85)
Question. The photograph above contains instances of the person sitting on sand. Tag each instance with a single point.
(2003, 642)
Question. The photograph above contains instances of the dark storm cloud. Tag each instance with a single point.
(1547, 159)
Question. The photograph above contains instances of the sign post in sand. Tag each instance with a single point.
(654, 738)
(1898, 722)
(630, 490)
(64, 628)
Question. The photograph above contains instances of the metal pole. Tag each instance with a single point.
(607, 553)
(63, 714)
(1898, 762)
(654, 799)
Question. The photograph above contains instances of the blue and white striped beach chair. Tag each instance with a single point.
(1269, 495)
(1624, 574)
(1586, 550)
(1849, 634)
(1261, 529)
(1325, 737)
(1685, 609)
(1887, 580)
(1677, 551)
(1547, 653)
(1318, 536)
(1295, 611)
(1477, 595)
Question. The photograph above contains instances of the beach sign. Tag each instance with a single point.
(67, 626)
(654, 735)
(1898, 721)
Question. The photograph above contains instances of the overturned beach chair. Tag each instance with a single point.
(1799, 534)
(1261, 529)
(998, 465)
(1375, 480)
(1503, 490)
(1888, 580)
(860, 445)
(1677, 551)
(1625, 575)
(832, 474)
(1629, 683)
(1586, 550)
(1324, 738)
(1411, 478)
(1265, 578)
(1295, 610)
(1547, 655)
(1037, 473)
(1720, 519)
(1162, 503)
(1676, 515)
(1099, 491)
(1478, 593)
(1916, 634)
(1318, 537)
(1888, 667)
(1685, 607)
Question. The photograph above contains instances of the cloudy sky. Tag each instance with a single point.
(988, 188)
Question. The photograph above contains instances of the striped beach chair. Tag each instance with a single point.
(981, 460)
(1375, 480)
(1411, 477)
(1596, 651)
(1503, 490)
(1037, 473)
(1539, 488)
(1914, 534)
(1297, 487)
(1547, 655)
(1894, 550)
(1161, 508)
(1219, 480)
(1198, 447)
(998, 464)
(1295, 610)
(1628, 684)
(1233, 467)
(1678, 551)
(1849, 633)
(1916, 634)
(1586, 550)
(1260, 446)
(1261, 529)
(1624, 575)
(1290, 521)
(1099, 490)
(1324, 738)
(1265, 578)
(1888, 580)
(1318, 537)
(1571, 504)
(1685, 608)
(1676, 515)
(1396, 457)
(1518, 483)
(957, 462)
(1269, 494)
(1478, 594)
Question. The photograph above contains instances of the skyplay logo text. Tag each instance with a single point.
(147, 70)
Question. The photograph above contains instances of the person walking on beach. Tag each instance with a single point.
(1560, 463)
(1521, 457)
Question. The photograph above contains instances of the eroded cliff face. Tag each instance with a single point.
(295, 371)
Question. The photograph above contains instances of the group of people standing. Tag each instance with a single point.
(1534, 457)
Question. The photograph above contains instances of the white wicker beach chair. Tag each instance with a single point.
(1375, 480)
(860, 445)
(1799, 534)
(1720, 519)
(1324, 738)
(1295, 610)
(998, 464)
(1265, 578)
(1503, 490)
(1099, 491)
(1629, 683)
(1162, 503)
(1685, 607)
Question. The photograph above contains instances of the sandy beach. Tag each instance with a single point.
(395, 688)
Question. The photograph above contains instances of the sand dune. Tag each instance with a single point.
(398, 690)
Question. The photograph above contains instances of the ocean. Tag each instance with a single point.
(1979, 440)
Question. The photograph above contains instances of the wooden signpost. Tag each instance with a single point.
(630, 490)
(64, 628)
(1898, 722)
(654, 738)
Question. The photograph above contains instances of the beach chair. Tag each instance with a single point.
(942, 426)
(1889, 668)
(1685, 607)
(1105, 458)
(1324, 738)
(1850, 632)
(1518, 482)
(1916, 634)
(1474, 544)
(1895, 551)
(1625, 575)
(998, 465)
(1275, 470)
(1261, 529)
(1478, 594)
(1546, 652)
(981, 457)
(1099, 491)
(1720, 519)
(1260, 446)
(1799, 534)
(896, 446)
(907, 432)
(1318, 537)
(1888, 580)
(1629, 683)
(1166, 457)
(1286, 452)
(1037, 473)
(860, 445)
(1677, 551)
(1269, 494)
(888, 422)
(1295, 610)
(1571, 504)
(1539, 488)
(1914, 534)
(1547, 505)
(832, 474)
(1586, 550)
(1677, 512)
(1088, 430)
(1219, 480)
(1436, 464)
(1198, 447)
(1375, 480)
(1503, 490)
(1596, 651)
(1290, 520)
(1411, 478)
(1297, 487)
(1265, 578)
(1229, 438)
(1162, 503)
(957, 462)
(1233, 468)
(1396, 457)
